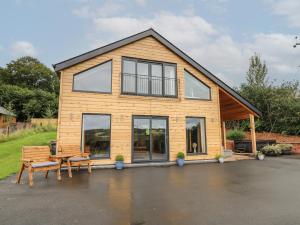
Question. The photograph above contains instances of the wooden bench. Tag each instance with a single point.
(37, 158)
(78, 158)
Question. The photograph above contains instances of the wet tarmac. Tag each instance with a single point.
(236, 193)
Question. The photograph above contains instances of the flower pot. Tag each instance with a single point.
(119, 165)
(180, 162)
(221, 160)
(261, 157)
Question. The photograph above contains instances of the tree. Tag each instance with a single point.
(279, 103)
(28, 72)
(257, 72)
(30, 88)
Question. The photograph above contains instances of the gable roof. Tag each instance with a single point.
(4, 111)
(151, 32)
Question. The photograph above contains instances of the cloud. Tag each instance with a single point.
(141, 2)
(287, 8)
(92, 10)
(206, 43)
(23, 48)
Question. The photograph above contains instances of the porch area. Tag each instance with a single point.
(233, 110)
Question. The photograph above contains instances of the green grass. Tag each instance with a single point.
(10, 151)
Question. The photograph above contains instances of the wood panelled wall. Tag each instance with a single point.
(123, 107)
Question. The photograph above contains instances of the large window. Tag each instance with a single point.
(195, 135)
(96, 135)
(96, 79)
(142, 77)
(194, 88)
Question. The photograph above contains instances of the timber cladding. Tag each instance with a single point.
(122, 107)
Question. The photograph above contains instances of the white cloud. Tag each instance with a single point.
(92, 10)
(287, 8)
(23, 48)
(141, 2)
(206, 43)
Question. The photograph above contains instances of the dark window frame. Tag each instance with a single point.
(167, 137)
(81, 144)
(163, 63)
(205, 136)
(191, 98)
(101, 92)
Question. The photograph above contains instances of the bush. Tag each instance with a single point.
(180, 155)
(235, 134)
(271, 150)
(286, 149)
(120, 158)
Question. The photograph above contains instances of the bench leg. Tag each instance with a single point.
(46, 175)
(20, 173)
(58, 174)
(69, 169)
(30, 176)
(78, 167)
(89, 167)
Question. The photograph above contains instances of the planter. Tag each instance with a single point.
(119, 165)
(221, 160)
(286, 152)
(180, 162)
(260, 157)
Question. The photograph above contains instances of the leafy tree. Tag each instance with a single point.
(28, 103)
(279, 103)
(257, 72)
(29, 72)
(30, 88)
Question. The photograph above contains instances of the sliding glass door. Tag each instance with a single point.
(150, 138)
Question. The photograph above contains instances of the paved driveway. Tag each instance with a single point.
(236, 193)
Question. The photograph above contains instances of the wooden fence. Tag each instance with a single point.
(43, 122)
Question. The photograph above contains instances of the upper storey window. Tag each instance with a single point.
(142, 77)
(195, 88)
(96, 79)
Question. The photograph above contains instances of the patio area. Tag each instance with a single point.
(241, 192)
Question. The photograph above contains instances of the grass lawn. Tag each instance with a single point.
(10, 151)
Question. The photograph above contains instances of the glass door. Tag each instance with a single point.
(141, 139)
(150, 139)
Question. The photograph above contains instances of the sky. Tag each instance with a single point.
(221, 35)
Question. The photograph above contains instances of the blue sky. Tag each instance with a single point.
(220, 34)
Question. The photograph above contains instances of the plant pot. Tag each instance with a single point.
(119, 165)
(286, 152)
(221, 160)
(180, 162)
(260, 157)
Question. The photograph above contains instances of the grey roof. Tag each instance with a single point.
(151, 32)
(6, 112)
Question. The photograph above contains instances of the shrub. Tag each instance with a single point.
(286, 149)
(120, 158)
(235, 134)
(180, 155)
(271, 150)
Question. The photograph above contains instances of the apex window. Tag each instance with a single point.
(194, 88)
(142, 77)
(95, 79)
(195, 135)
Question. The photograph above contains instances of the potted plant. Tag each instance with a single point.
(119, 162)
(180, 159)
(220, 158)
(286, 149)
(260, 155)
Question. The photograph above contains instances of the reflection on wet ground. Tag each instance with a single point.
(243, 192)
